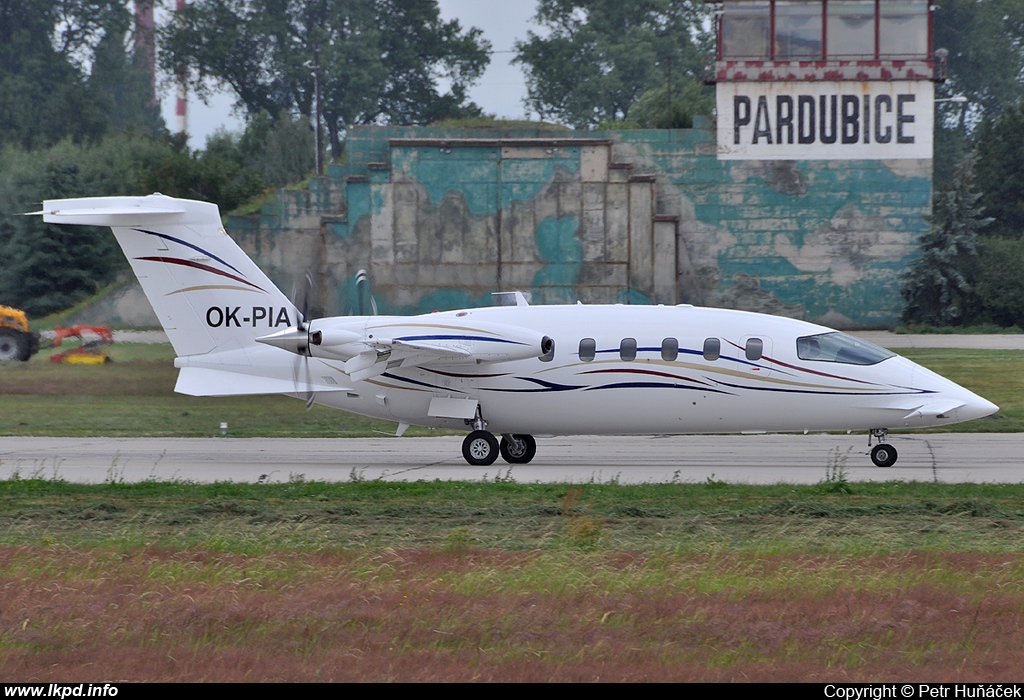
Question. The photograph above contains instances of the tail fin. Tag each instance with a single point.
(209, 295)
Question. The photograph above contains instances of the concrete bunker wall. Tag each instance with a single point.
(441, 218)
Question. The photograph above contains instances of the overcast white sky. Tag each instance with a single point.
(500, 92)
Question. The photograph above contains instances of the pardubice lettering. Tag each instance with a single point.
(823, 119)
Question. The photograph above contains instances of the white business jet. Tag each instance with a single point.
(513, 369)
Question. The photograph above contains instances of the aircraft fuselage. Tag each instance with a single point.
(670, 384)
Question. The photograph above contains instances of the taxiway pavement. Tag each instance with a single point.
(754, 459)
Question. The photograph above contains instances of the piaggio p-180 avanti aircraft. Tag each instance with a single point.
(513, 369)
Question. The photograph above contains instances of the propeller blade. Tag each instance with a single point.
(297, 340)
(304, 320)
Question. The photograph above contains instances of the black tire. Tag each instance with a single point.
(884, 455)
(13, 345)
(480, 448)
(520, 450)
(32, 345)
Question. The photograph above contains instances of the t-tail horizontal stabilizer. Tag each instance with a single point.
(210, 297)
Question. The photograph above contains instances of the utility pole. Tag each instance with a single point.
(316, 112)
(669, 59)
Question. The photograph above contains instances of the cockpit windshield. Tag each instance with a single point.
(840, 347)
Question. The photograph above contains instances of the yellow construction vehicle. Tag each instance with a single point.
(17, 342)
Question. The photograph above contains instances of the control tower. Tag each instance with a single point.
(824, 79)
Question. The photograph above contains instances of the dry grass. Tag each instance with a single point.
(423, 581)
(429, 615)
(420, 582)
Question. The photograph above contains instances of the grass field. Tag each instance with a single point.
(379, 581)
(133, 396)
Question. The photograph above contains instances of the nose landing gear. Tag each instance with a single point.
(882, 454)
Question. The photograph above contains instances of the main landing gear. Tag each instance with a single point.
(882, 454)
(481, 448)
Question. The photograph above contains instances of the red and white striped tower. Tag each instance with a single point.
(144, 43)
(181, 109)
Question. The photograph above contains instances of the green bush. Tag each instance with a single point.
(999, 286)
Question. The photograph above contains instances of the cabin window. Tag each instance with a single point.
(669, 349)
(840, 347)
(627, 349)
(588, 349)
(754, 349)
(712, 349)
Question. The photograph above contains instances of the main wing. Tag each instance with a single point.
(371, 346)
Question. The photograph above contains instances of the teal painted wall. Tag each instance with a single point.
(440, 218)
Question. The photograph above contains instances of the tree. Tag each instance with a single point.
(49, 267)
(986, 52)
(601, 56)
(1000, 172)
(121, 87)
(999, 285)
(651, 110)
(419, 50)
(216, 174)
(45, 48)
(376, 61)
(985, 41)
(281, 150)
(938, 286)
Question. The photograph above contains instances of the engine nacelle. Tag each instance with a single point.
(398, 338)
(466, 341)
(335, 343)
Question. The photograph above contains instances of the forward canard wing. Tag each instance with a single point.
(918, 406)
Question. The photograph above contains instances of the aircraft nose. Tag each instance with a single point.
(976, 407)
(968, 405)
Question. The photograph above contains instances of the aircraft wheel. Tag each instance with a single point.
(13, 345)
(883, 455)
(480, 448)
(519, 450)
